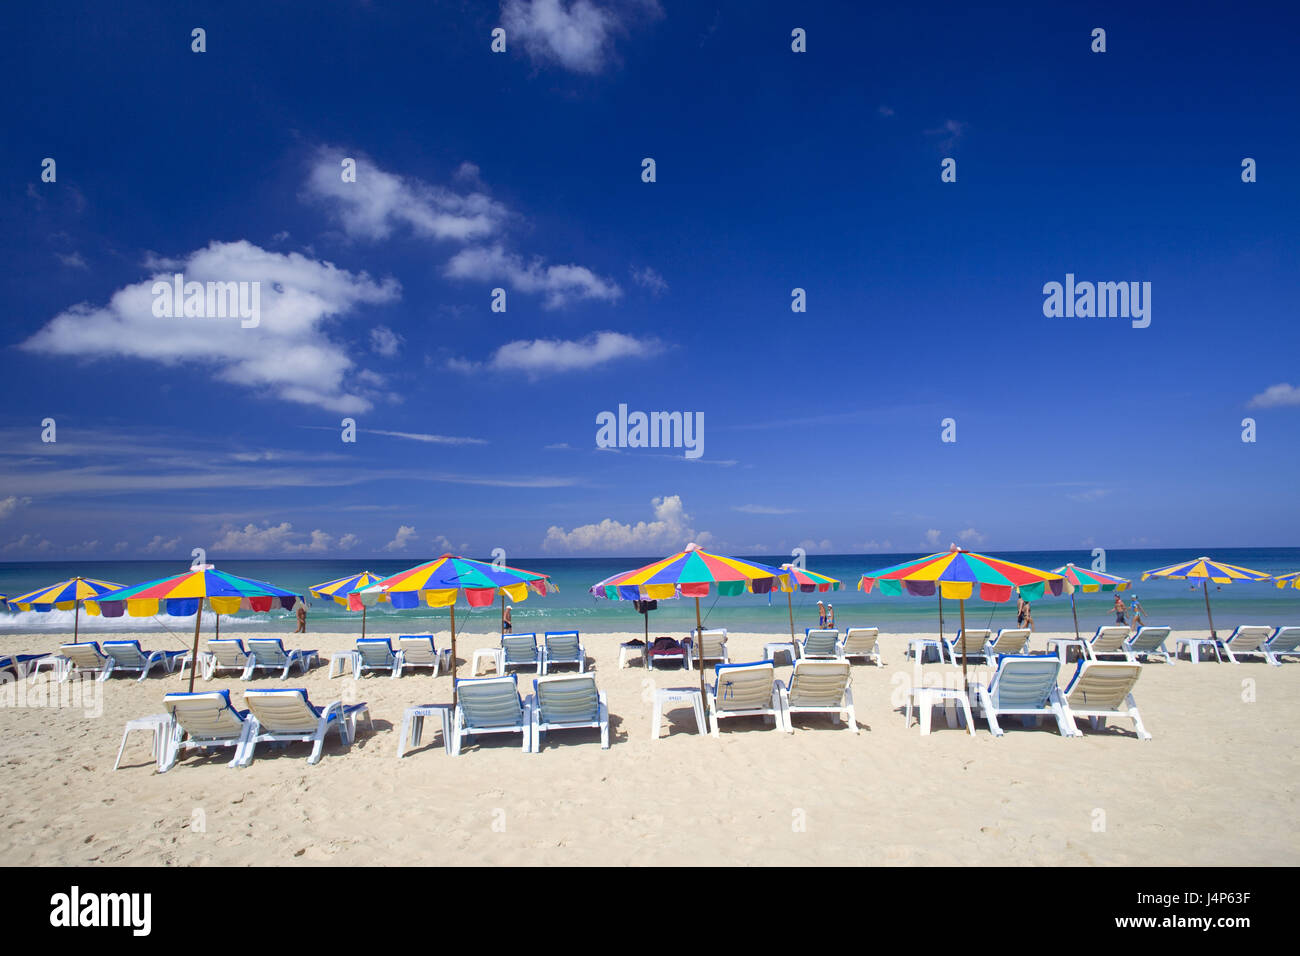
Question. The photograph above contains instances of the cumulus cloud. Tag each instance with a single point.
(1275, 396)
(11, 504)
(29, 543)
(648, 278)
(288, 353)
(348, 541)
(578, 35)
(160, 545)
(276, 539)
(970, 536)
(73, 260)
(559, 284)
(932, 538)
(405, 535)
(384, 341)
(671, 527)
(535, 357)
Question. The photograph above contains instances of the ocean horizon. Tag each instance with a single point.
(1179, 604)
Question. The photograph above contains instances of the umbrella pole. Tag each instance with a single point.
(1075, 612)
(76, 620)
(453, 656)
(699, 646)
(940, 616)
(964, 682)
(363, 620)
(194, 654)
(790, 601)
(1205, 589)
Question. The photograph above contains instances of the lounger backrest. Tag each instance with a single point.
(1024, 683)
(520, 648)
(1010, 640)
(268, 650)
(1284, 640)
(712, 641)
(820, 642)
(125, 653)
(283, 711)
(1149, 638)
(819, 683)
(861, 640)
(208, 714)
(490, 701)
(1109, 638)
(375, 651)
(975, 640)
(228, 653)
(562, 643)
(567, 699)
(84, 654)
(744, 686)
(1101, 685)
(1248, 637)
(418, 649)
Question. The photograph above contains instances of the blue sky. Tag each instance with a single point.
(521, 170)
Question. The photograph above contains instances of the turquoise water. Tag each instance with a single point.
(1165, 602)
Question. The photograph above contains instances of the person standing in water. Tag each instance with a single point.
(821, 613)
(302, 618)
(506, 624)
(1119, 610)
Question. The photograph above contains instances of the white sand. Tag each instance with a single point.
(1216, 786)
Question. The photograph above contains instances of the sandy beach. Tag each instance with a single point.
(1216, 785)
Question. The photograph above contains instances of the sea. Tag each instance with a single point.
(1179, 604)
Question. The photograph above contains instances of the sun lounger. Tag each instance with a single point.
(201, 721)
(490, 705)
(85, 657)
(521, 650)
(1010, 640)
(1146, 641)
(567, 702)
(1246, 639)
(227, 655)
(269, 654)
(1101, 689)
(288, 716)
(710, 646)
(667, 649)
(862, 643)
(127, 656)
(377, 654)
(975, 640)
(20, 664)
(1284, 641)
(819, 687)
(820, 642)
(418, 651)
(1022, 686)
(1108, 641)
(563, 647)
(744, 690)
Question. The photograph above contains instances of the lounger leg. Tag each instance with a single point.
(656, 715)
(1137, 719)
(970, 718)
(409, 723)
(118, 761)
(604, 725)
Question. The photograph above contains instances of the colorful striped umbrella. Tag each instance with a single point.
(807, 582)
(340, 589)
(691, 572)
(1291, 580)
(438, 583)
(955, 573)
(184, 594)
(1088, 581)
(67, 595)
(1207, 570)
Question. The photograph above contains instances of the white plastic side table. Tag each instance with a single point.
(339, 658)
(925, 699)
(413, 723)
(1195, 647)
(674, 696)
(159, 725)
(1062, 647)
(781, 647)
(493, 655)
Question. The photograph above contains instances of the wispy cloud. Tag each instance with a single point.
(558, 284)
(537, 357)
(578, 35)
(763, 510)
(649, 279)
(427, 438)
(948, 132)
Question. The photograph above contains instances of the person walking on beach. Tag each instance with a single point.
(506, 624)
(1024, 618)
(1119, 610)
(830, 616)
(1136, 608)
(302, 618)
(821, 613)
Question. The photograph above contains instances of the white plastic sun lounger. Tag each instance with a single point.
(201, 721)
(819, 687)
(744, 690)
(521, 650)
(227, 655)
(128, 656)
(1147, 641)
(85, 657)
(376, 654)
(269, 654)
(820, 643)
(1023, 686)
(863, 643)
(1101, 689)
(490, 705)
(1284, 641)
(287, 716)
(563, 647)
(1108, 641)
(1009, 640)
(711, 645)
(567, 702)
(975, 638)
(1246, 639)
(418, 651)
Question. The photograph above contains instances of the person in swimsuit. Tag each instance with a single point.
(1022, 612)
(1119, 610)
(830, 616)
(506, 624)
(302, 618)
(821, 613)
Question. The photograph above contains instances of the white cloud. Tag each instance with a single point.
(120, 547)
(85, 547)
(932, 538)
(348, 542)
(949, 132)
(252, 538)
(545, 356)
(1275, 396)
(874, 545)
(559, 284)
(288, 353)
(29, 543)
(650, 279)
(11, 504)
(379, 202)
(427, 438)
(670, 528)
(885, 111)
(763, 510)
(578, 35)
(824, 545)
(73, 260)
(970, 536)
(160, 545)
(384, 341)
(558, 446)
(405, 535)
(1091, 494)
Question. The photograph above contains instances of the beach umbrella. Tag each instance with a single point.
(956, 573)
(1206, 570)
(1291, 580)
(691, 572)
(1089, 582)
(340, 589)
(67, 595)
(807, 582)
(438, 583)
(184, 594)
